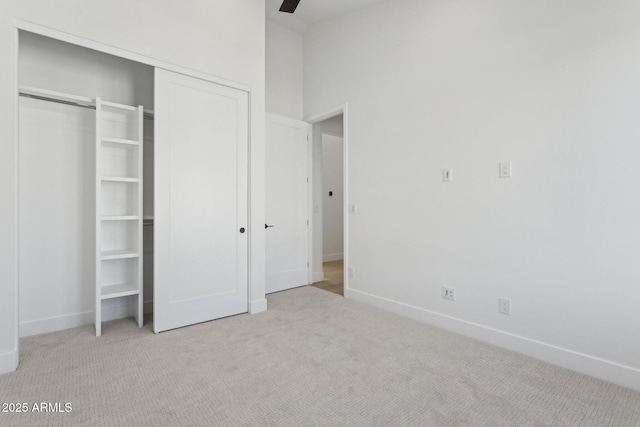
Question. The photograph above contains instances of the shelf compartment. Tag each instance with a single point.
(119, 198)
(119, 160)
(119, 124)
(119, 278)
(120, 234)
(121, 290)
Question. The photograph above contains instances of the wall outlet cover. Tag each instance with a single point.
(448, 293)
(504, 305)
(506, 170)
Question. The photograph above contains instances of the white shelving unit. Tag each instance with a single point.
(119, 214)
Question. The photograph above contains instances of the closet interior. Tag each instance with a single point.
(86, 169)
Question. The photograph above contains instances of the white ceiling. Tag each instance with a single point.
(311, 11)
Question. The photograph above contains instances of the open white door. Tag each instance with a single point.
(287, 203)
(200, 215)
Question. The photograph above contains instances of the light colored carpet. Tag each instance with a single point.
(314, 359)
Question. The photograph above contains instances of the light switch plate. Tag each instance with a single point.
(447, 175)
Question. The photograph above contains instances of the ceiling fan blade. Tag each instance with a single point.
(289, 6)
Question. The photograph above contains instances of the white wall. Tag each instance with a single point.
(551, 86)
(283, 71)
(332, 205)
(332, 126)
(51, 64)
(195, 36)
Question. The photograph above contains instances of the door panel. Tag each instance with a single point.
(201, 143)
(287, 204)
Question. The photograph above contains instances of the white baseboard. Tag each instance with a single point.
(317, 277)
(607, 370)
(332, 257)
(8, 362)
(74, 320)
(57, 323)
(258, 306)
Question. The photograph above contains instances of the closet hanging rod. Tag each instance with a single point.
(65, 99)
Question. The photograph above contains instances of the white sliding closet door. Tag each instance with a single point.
(201, 236)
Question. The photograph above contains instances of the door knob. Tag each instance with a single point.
(242, 230)
(268, 226)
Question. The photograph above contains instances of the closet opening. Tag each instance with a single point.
(85, 186)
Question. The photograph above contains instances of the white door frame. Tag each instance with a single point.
(255, 305)
(314, 119)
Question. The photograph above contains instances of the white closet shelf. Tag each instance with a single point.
(122, 254)
(119, 179)
(121, 218)
(120, 141)
(116, 291)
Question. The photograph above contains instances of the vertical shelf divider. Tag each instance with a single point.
(98, 169)
(140, 224)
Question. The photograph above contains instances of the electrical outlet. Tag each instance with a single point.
(447, 175)
(352, 273)
(505, 170)
(448, 293)
(504, 305)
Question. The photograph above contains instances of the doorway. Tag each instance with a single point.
(329, 200)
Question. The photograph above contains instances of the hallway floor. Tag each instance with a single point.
(333, 277)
